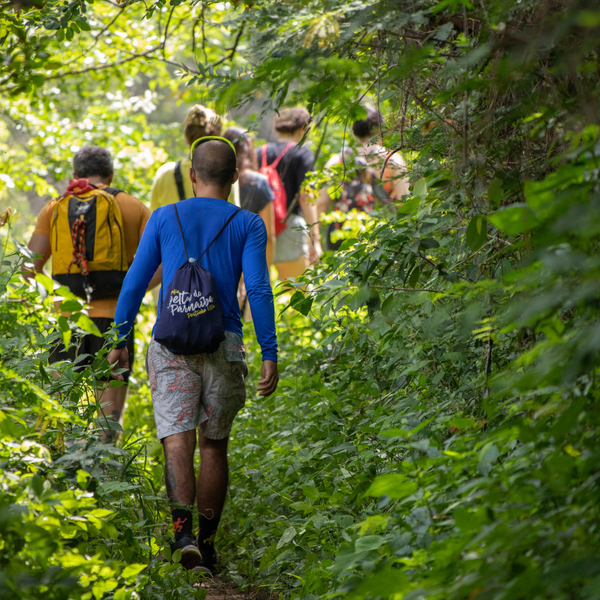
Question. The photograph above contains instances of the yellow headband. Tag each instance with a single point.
(210, 137)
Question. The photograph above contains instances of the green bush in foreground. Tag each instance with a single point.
(436, 435)
(79, 518)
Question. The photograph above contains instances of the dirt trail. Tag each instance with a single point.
(219, 590)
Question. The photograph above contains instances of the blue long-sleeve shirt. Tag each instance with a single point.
(240, 248)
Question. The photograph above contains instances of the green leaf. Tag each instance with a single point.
(305, 306)
(388, 305)
(514, 219)
(37, 485)
(65, 330)
(267, 559)
(470, 521)
(368, 543)
(461, 423)
(495, 193)
(429, 243)
(301, 303)
(311, 492)
(122, 594)
(414, 276)
(45, 281)
(82, 479)
(86, 324)
(392, 485)
(419, 188)
(288, 535)
(567, 420)
(382, 584)
(477, 232)
(304, 507)
(409, 207)
(396, 433)
(130, 572)
(539, 194)
(71, 306)
(487, 457)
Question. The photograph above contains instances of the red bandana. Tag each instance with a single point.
(79, 186)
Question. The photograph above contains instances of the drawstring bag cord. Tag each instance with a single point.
(79, 258)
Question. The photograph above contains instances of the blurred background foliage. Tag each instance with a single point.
(435, 433)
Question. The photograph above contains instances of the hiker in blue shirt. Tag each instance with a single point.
(202, 391)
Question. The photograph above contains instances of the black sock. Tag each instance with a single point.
(207, 532)
(182, 523)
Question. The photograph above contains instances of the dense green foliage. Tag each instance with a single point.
(435, 432)
(79, 518)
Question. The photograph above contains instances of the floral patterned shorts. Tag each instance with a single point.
(204, 390)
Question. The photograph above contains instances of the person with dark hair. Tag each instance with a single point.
(201, 391)
(255, 193)
(363, 187)
(369, 134)
(111, 223)
(172, 181)
(256, 196)
(298, 242)
(93, 161)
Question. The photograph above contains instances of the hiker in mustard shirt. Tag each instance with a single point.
(108, 224)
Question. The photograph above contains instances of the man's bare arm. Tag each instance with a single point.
(268, 216)
(323, 203)
(38, 244)
(310, 216)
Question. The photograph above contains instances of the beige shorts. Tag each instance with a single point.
(292, 242)
(204, 390)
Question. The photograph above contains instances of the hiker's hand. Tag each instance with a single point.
(118, 359)
(269, 376)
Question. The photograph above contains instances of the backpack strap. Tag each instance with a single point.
(263, 162)
(276, 161)
(220, 231)
(184, 249)
(112, 191)
(179, 181)
(212, 241)
(181, 231)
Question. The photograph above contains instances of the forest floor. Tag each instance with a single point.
(220, 590)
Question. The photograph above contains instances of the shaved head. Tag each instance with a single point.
(214, 163)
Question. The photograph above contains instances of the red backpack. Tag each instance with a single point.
(280, 202)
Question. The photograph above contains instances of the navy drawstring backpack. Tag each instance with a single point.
(191, 315)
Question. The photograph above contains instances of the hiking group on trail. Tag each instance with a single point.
(220, 218)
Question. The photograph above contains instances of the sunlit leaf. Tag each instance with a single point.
(393, 485)
(514, 219)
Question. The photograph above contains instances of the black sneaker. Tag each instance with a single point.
(190, 555)
(209, 563)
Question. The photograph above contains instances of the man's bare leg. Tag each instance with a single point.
(181, 489)
(179, 469)
(213, 479)
(113, 400)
